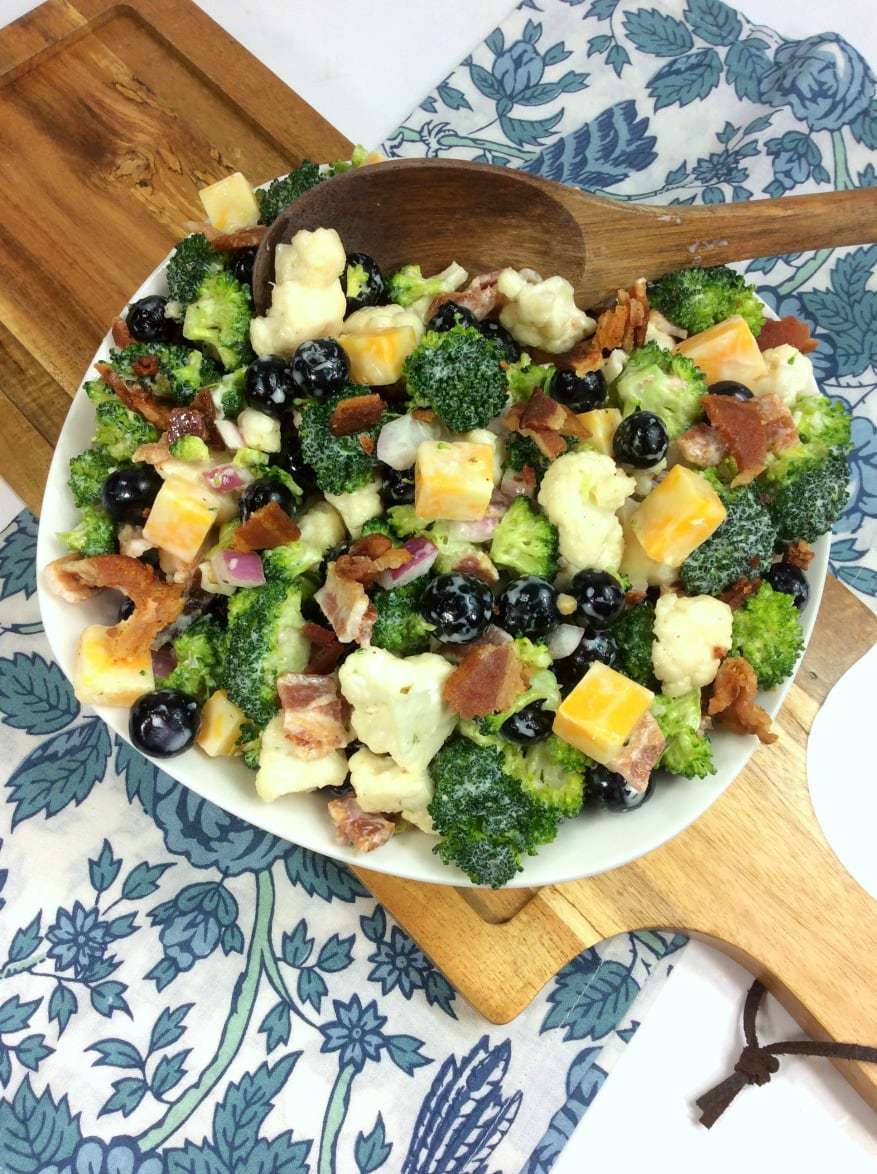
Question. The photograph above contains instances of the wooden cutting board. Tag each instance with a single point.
(111, 118)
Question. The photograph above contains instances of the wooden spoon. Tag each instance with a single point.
(433, 211)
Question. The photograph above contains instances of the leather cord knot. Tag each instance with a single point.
(758, 1062)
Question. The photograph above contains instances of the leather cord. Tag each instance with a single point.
(758, 1062)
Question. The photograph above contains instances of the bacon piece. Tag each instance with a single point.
(624, 324)
(487, 680)
(779, 427)
(543, 412)
(366, 443)
(582, 358)
(702, 446)
(203, 402)
(145, 367)
(135, 397)
(326, 649)
(478, 564)
(154, 453)
(481, 296)
(736, 595)
(731, 700)
(265, 528)
(740, 425)
(357, 413)
(346, 606)
(156, 604)
(121, 333)
(244, 238)
(427, 415)
(359, 829)
(633, 598)
(786, 331)
(313, 714)
(639, 755)
(368, 557)
(799, 554)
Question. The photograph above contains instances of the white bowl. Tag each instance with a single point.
(591, 844)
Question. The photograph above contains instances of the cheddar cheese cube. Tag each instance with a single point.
(728, 350)
(376, 359)
(230, 203)
(680, 513)
(599, 715)
(601, 423)
(100, 678)
(180, 518)
(453, 480)
(221, 723)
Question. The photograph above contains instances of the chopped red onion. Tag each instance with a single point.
(227, 478)
(237, 569)
(478, 531)
(232, 437)
(564, 640)
(423, 555)
(163, 660)
(398, 441)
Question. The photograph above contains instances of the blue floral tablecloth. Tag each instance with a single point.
(181, 993)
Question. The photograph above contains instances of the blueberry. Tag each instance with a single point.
(241, 265)
(164, 722)
(498, 333)
(397, 486)
(128, 493)
(640, 440)
(592, 646)
(290, 458)
(614, 792)
(530, 724)
(458, 606)
(269, 385)
(320, 367)
(451, 314)
(147, 322)
(730, 387)
(260, 493)
(599, 596)
(362, 282)
(580, 393)
(791, 581)
(217, 609)
(528, 607)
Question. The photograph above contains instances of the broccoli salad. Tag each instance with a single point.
(460, 554)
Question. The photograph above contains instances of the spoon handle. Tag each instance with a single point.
(674, 236)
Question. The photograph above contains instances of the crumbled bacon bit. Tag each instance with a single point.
(135, 397)
(426, 415)
(361, 830)
(203, 402)
(623, 326)
(789, 330)
(779, 427)
(487, 680)
(313, 714)
(546, 423)
(346, 606)
(639, 755)
(633, 598)
(244, 238)
(736, 595)
(368, 557)
(481, 296)
(582, 358)
(366, 443)
(740, 425)
(265, 528)
(121, 333)
(356, 414)
(702, 446)
(799, 554)
(326, 649)
(145, 367)
(731, 700)
(478, 564)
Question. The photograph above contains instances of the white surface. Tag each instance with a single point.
(840, 762)
(807, 1119)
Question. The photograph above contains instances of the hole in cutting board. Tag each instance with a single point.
(500, 907)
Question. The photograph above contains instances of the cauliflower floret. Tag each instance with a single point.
(282, 772)
(692, 633)
(581, 492)
(642, 571)
(357, 506)
(259, 430)
(789, 374)
(485, 436)
(398, 708)
(374, 319)
(542, 313)
(421, 820)
(382, 785)
(614, 365)
(321, 526)
(308, 301)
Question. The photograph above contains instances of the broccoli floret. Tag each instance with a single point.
(521, 451)
(660, 381)
(738, 549)
(552, 773)
(189, 264)
(119, 431)
(525, 541)
(408, 284)
(358, 156)
(249, 744)
(688, 752)
(541, 687)
(486, 819)
(280, 192)
(634, 634)
(229, 394)
(93, 534)
(405, 523)
(200, 655)
(378, 525)
(805, 491)
(88, 471)
(458, 374)
(179, 370)
(825, 421)
(766, 632)
(286, 563)
(400, 628)
(340, 463)
(264, 641)
(189, 448)
(524, 376)
(696, 299)
(220, 318)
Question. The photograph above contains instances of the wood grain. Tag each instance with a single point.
(110, 118)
